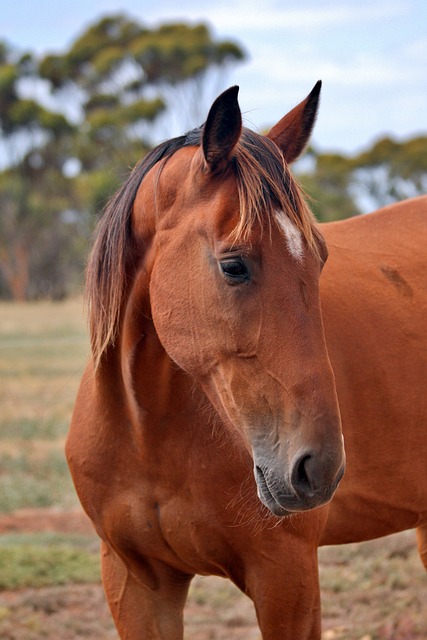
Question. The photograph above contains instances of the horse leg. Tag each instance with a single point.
(422, 543)
(286, 595)
(141, 612)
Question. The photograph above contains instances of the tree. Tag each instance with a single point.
(342, 186)
(328, 185)
(126, 75)
(187, 66)
(33, 140)
(98, 76)
(61, 166)
(390, 171)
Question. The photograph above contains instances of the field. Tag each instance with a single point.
(49, 571)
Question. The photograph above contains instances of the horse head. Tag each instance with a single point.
(213, 240)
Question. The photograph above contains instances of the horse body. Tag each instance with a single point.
(167, 508)
(374, 301)
(192, 405)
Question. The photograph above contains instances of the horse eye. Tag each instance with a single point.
(235, 270)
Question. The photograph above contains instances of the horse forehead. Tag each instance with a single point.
(183, 180)
(292, 234)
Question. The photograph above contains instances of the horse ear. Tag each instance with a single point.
(222, 130)
(292, 132)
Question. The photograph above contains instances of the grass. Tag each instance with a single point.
(43, 349)
(46, 559)
(27, 429)
(29, 481)
(373, 591)
(42, 357)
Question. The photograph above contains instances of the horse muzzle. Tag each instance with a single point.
(310, 481)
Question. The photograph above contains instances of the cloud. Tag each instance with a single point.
(371, 55)
(417, 50)
(241, 15)
(363, 69)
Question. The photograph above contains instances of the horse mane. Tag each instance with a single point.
(265, 186)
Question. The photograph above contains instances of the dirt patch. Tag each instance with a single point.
(37, 449)
(374, 591)
(35, 520)
(81, 612)
(216, 612)
(69, 612)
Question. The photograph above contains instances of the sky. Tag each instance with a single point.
(370, 54)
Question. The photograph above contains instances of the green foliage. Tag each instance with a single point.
(328, 187)
(328, 202)
(123, 76)
(117, 62)
(390, 170)
(8, 77)
(39, 560)
(27, 482)
(56, 69)
(141, 110)
(33, 188)
(96, 188)
(18, 113)
(24, 112)
(176, 52)
(342, 186)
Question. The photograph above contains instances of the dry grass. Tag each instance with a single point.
(43, 348)
(42, 319)
(374, 591)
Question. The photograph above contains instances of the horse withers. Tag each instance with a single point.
(206, 436)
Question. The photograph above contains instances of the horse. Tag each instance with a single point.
(236, 345)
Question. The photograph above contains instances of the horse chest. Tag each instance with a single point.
(155, 524)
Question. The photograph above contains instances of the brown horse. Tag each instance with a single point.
(206, 437)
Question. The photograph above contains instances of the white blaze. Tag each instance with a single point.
(292, 235)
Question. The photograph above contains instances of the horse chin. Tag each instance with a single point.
(270, 503)
(266, 496)
(282, 502)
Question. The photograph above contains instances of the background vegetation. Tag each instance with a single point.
(73, 124)
(49, 567)
(71, 127)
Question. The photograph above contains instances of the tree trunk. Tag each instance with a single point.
(15, 266)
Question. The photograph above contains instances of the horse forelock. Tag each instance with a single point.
(265, 186)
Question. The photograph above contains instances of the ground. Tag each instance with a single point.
(80, 611)
(374, 591)
(50, 585)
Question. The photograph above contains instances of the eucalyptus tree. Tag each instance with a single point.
(72, 125)
(121, 76)
(390, 170)
(33, 187)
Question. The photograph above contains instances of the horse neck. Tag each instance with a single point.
(162, 401)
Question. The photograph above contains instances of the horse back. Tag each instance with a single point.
(374, 302)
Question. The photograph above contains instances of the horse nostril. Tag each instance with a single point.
(301, 478)
(316, 475)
